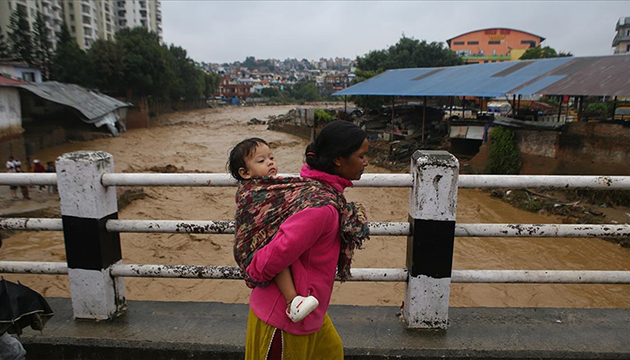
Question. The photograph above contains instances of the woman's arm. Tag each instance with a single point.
(296, 235)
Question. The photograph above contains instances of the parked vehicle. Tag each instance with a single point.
(622, 113)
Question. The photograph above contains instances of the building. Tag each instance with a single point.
(20, 71)
(87, 20)
(621, 42)
(50, 9)
(493, 45)
(134, 13)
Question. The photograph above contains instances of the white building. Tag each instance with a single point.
(134, 13)
(87, 20)
(621, 42)
(50, 9)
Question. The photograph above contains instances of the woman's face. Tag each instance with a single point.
(352, 167)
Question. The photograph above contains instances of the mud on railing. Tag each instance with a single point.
(96, 273)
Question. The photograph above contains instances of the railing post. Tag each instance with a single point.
(432, 208)
(86, 205)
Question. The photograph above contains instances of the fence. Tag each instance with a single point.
(96, 273)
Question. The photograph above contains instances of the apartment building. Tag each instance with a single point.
(493, 45)
(621, 42)
(87, 20)
(134, 13)
(50, 9)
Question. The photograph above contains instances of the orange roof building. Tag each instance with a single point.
(493, 45)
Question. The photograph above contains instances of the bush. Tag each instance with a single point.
(504, 154)
(322, 116)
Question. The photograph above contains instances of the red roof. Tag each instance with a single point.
(5, 81)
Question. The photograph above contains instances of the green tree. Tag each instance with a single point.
(212, 82)
(407, 53)
(20, 39)
(306, 91)
(270, 92)
(109, 62)
(70, 64)
(540, 52)
(189, 81)
(4, 48)
(148, 69)
(43, 46)
(504, 157)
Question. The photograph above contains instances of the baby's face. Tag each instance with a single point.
(260, 163)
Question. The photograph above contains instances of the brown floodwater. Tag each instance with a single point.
(200, 140)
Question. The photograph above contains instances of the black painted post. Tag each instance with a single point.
(432, 210)
(86, 205)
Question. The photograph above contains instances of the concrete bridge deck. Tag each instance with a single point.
(177, 330)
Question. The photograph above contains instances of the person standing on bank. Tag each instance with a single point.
(316, 240)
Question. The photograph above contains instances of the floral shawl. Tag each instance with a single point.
(263, 204)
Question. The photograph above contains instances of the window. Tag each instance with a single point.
(494, 42)
(458, 43)
(494, 52)
(628, 32)
(86, 20)
(71, 17)
(28, 76)
(473, 43)
(628, 48)
(73, 29)
(70, 6)
(85, 9)
(530, 42)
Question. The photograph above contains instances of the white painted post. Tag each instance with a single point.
(432, 208)
(86, 205)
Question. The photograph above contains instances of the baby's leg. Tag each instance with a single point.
(284, 280)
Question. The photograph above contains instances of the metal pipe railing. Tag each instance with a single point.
(376, 228)
(367, 180)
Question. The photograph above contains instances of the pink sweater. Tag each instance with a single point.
(309, 243)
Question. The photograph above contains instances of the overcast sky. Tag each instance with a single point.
(227, 31)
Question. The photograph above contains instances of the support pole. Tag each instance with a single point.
(392, 127)
(560, 108)
(424, 115)
(432, 209)
(86, 205)
(345, 105)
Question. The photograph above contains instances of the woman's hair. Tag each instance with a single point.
(338, 138)
(240, 152)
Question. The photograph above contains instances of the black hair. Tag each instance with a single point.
(338, 138)
(240, 152)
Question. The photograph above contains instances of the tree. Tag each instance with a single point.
(109, 62)
(70, 64)
(4, 48)
(148, 69)
(42, 46)
(20, 39)
(539, 52)
(407, 53)
(306, 91)
(212, 82)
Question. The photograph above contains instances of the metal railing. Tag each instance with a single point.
(427, 167)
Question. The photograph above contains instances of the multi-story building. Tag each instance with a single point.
(134, 13)
(493, 45)
(50, 9)
(87, 20)
(621, 42)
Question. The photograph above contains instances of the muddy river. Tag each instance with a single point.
(200, 140)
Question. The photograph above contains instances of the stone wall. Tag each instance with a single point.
(579, 149)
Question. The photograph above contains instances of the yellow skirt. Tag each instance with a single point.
(325, 344)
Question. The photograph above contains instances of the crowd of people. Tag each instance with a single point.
(14, 165)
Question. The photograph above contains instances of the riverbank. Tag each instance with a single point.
(199, 141)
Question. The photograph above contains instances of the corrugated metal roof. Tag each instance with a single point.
(577, 76)
(93, 105)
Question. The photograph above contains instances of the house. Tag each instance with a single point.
(20, 71)
(493, 45)
(38, 115)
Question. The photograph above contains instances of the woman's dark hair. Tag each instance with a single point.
(240, 152)
(338, 138)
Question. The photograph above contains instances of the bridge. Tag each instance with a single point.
(99, 322)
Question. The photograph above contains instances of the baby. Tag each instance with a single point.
(252, 158)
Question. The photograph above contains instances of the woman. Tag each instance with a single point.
(317, 238)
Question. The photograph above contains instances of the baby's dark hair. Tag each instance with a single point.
(338, 138)
(240, 152)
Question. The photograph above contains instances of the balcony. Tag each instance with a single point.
(620, 38)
